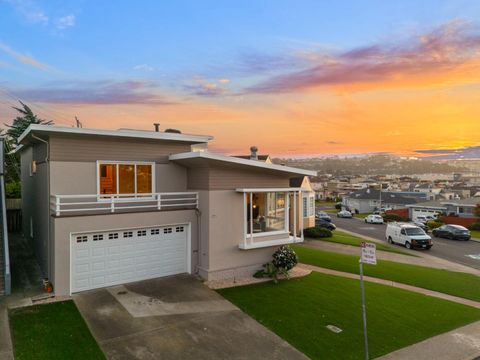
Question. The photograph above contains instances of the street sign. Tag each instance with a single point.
(368, 254)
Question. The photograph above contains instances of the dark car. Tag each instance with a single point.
(453, 232)
(322, 215)
(421, 226)
(325, 224)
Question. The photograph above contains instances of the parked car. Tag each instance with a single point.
(323, 216)
(344, 214)
(421, 225)
(421, 219)
(453, 232)
(325, 224)
(409, 235)
(374, 219)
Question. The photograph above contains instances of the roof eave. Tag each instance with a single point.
(114, 133)
(239, 161)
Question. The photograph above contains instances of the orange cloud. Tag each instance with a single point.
(449, 54)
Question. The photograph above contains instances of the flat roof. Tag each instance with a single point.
(125, 133)
(239, 161)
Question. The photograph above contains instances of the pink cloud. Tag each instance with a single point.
(438, 52)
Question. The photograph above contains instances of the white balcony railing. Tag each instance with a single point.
(79, 204)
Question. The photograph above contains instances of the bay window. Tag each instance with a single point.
(117, 178)
(267, 212)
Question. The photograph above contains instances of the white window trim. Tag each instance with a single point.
(103, 197)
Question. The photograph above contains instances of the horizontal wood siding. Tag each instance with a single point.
(229, 178)
(197, 178)
(69, 148)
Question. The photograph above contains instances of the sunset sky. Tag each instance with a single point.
(294, 78)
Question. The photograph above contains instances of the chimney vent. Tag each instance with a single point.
(157, 127)
(253, 153)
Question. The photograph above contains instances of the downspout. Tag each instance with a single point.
(6, 253)
(46, 160)
(199, 228)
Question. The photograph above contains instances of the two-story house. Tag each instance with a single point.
(105, 207)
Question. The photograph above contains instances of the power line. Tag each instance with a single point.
(43, 111)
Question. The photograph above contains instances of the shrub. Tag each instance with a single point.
(338, 206)
(433, 224)
(393, 217)
(317, 232)
(284, 259)
(474, 226)
(13, 190)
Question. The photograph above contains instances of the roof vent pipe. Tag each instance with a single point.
(157, 127)
(253, 153)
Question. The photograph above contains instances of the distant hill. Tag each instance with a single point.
(372, 165)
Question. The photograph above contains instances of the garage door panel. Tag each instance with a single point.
(116, 257)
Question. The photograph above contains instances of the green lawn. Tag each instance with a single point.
(299, 309)
(325, 203)
(449, 282)
(475, 234)
(361, 216)
(331, 211)
(52, 331)
(340, 237)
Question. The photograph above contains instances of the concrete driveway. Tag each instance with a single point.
(175, 317)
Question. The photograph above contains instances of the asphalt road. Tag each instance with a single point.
(461, 252)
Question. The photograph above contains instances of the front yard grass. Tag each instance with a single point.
(475, 234)
(298, 310)
(361, 215)
(52, 331)
(341, 237)
(449, 282)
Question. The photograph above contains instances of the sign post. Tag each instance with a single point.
(368, 256)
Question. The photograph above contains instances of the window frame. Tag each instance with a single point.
(107, 197)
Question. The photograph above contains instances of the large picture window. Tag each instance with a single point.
(125, 178)
(267, 212)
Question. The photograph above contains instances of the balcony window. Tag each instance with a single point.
(125, 178)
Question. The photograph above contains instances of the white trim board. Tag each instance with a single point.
(139, 134)
(233, 160)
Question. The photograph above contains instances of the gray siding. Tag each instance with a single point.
(69, 148)
(76, 178)
(229, 178)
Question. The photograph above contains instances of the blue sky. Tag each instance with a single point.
(195, 52)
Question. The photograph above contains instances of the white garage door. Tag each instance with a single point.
(110, 258)
(423, 212)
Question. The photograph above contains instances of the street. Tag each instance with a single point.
(461, 252)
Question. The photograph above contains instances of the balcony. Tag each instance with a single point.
(73, 205)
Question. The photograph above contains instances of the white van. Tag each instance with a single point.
(409, 235)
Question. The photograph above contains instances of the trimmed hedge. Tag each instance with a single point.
(475, 226)
(393, 217)
(317, 232)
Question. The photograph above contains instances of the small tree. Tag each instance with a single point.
(13, 132)
(22, 122)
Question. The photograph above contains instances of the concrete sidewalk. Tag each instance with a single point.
(411, 288)
(459, 344)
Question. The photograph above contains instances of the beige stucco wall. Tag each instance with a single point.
(226, 221)
(62, 228)
(79, 177)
